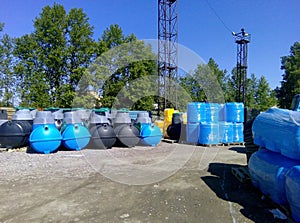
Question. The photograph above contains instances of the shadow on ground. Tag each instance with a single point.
(227, 187)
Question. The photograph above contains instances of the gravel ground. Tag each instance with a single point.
(167, 183)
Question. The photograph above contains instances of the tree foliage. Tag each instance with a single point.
(121, 73)
(290, 84)
(54, 57)
(8, 80)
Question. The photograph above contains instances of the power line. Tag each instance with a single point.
(216, 14)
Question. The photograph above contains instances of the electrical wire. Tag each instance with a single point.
(216, 14)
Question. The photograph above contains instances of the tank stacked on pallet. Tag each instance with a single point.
(102, 133)
(127, 134)
(75, 136)
(15, 133)
(274, 168)
(196, 113)
(45, 137)
(209, 129)
(231, 124)
(150, 134)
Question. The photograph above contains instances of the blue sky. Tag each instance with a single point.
(273, 24)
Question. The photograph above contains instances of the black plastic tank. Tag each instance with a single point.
(15, 134)
(174, 130)
(127, 135)
(102, 133)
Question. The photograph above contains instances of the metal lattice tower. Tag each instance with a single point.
(167, 53)
(242, 39)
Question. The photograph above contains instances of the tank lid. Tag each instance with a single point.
(98, 119)
(22, 115)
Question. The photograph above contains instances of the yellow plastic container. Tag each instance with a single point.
(168, 113)
(166, 125)
(184, 118)
(160, 125)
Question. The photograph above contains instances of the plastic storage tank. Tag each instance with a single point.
(75, 136)
(150, 134)
(237, 132)
(192, 133)
(174, 130)
(212, 112)
(127, 134)
(268, 173)
(208, 133)
(225, 132)
(102, 133)
(292, 187)
(278, 130)
(196, 112)
(45, 137)
(234, 112)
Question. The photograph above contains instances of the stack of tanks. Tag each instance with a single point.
(212, 123)
(275, 167)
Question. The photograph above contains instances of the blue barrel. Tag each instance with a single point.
(278, 130)
(238, 135)
(196, 112)
(234, 112)
(292, 187)
(45, 139)
(192, 133)
(268, 173)
(209, 133)
(226, 132)
(212, 112)
(150, 135)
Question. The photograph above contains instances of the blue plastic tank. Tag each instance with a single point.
(212, 112)
(234, 112)
(226, 132)
(150, 135)
(292, 187)
(45, 137)
(196, 112)
(75, 136)
(209, 133)
(192, 133)
(268, 173)
(278, 130)
(237, 132)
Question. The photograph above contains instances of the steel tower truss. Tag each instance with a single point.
(167, 53)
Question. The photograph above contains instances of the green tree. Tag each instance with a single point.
(8, 79)
(265, 97)
(290, 84)
(120, 72)
(54, 57)
(206, 83)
